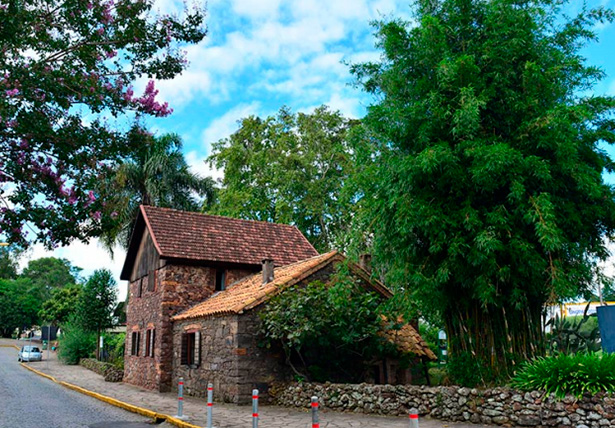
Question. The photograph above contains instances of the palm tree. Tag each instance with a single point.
(156, 175)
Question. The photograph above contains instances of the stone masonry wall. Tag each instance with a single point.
(218, 364)
(230, 359)
(177, 288)
(499, 406)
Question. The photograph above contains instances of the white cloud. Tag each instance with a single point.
(198, 165)
(227, 124)
(89, 257)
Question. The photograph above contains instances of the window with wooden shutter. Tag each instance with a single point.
(151, 346)
(139, 287)
(191, 349)
(184, 357)
(134, 348)
(197, 348)
(148, 342)
(151, 280)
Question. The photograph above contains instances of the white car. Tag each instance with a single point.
(30, 353)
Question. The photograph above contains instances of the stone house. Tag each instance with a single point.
(197, 283)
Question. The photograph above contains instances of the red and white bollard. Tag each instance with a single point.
(414, 417)
(210, 404)
(315, 422)
(255, 408)
(180, 399)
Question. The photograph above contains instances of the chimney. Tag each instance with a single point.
(267, 270)
(365, 261)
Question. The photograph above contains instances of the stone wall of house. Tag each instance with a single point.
(177, 288)
(230, 359)
(499, 406)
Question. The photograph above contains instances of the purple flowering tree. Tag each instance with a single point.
(66, 75)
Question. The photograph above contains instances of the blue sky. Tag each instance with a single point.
(262, 54)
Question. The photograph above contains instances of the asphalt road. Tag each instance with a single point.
(28, 400)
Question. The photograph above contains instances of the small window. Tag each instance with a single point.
(150, 337)
(191, 349)
(220, 280)
(151, 280)
(140, 287)
(136, 339)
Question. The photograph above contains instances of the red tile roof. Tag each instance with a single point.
(195, 236)
(250, 292)
(407, 339)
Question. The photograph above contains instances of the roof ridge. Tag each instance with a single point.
(200, 214)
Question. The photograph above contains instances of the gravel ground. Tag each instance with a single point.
(28, 400)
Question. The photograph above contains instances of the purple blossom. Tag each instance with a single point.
(150, 105)
(97, 215)
(101, 31)
(90, 6)
(12, 92)
(91, 196)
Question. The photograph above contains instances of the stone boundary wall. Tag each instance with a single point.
(501, 406)
(108, 371)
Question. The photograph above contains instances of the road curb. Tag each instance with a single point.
(10, 346)
(158, 417)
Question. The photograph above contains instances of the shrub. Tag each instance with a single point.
(465, 370)
(563, 374)
(75, 343)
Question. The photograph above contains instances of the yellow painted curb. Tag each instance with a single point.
(115, 402)
(9, 346)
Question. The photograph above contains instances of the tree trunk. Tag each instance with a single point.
(495, 338)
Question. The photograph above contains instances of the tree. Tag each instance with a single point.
(66, 72)
(96, 303)
(158, 175)
(9, 257)
(481, 169)
(50, 273)
(328, 332)
(18, 306)
(62, 304)
(288, 168)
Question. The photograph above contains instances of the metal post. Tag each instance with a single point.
(48, 343)
(180, 398)
(315, 422)
(210, 404)
(255, 408)
(414, 417)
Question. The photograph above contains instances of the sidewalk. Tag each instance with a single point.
(224, 415)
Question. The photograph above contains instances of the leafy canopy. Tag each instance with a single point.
(66, 75)
(156, 174)
(329, 332)
(19, 305)
(97, 301)
(288, 168)
(480, 166)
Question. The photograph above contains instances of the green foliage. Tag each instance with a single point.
(75, 343)
(329, 330)
(9, 258)
(563, 374)
(429, 333)
(467, 370)
(62, 304)
(156, 174)
(49, 273)
(68, 69)
(288, 168)
(19, 305)
(114, 344)
(97, 301)
(479, 182)
(571, 335)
